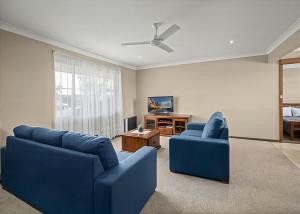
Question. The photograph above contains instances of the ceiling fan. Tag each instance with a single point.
(158, 40)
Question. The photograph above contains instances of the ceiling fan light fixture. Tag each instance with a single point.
(158, 40)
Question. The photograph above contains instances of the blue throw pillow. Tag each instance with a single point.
(51, 137)
(214, 126)
(23, 131)
(96, 145)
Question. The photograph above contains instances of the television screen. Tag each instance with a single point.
(160, 104)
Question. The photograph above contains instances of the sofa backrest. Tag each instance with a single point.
(90, 144)
(225, 131)
(97, 145)
(214, 126)
(23, 131)
(51, 137)
(56, 180)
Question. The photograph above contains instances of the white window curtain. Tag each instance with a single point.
(88, 96)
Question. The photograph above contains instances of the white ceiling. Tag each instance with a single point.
(100, 26)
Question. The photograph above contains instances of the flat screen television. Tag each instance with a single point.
(163, 104)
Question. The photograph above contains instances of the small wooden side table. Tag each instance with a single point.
(132, 141)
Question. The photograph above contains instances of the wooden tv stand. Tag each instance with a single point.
(169, 124)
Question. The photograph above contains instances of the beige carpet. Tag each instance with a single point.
(263, 180)
(291, 150)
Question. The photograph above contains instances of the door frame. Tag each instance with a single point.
(283, 62)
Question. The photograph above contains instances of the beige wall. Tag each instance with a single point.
(294, 54)
(27, 84)
(286, 47)
(291, 85)
(129, 92)
(245, 89)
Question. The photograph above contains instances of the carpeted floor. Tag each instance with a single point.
(291, 150)
(263, 180)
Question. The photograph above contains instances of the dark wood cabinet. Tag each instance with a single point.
(171, 124)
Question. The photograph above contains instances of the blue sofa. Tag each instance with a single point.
(65, 172)
(202, 150)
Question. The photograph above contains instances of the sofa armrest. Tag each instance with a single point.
(206, 157)
(2, 161)
(127, 187)
(195, 126)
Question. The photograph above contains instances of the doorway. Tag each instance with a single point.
(289, 100)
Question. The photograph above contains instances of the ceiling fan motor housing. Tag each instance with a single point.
(155, 42)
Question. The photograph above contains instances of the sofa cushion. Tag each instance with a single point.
(287, 111)
(195, 133)
(295, 112)
(23, 131)
(214, 126)
(51, 137)
(96, 145)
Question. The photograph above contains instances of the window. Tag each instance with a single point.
(88, 96)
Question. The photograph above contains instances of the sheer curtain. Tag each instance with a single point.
(88, 96)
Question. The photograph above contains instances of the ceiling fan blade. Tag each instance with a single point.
(169, 32)
(136, 43)
(165, 47)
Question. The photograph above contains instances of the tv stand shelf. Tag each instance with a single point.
(169, 124)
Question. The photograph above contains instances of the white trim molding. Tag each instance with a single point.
(284, 36)
(289, 66)
(202, 60)
(27, 33)
(298, 49)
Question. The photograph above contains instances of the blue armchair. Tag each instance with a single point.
(202, 150)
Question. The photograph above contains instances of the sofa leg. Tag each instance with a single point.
(225, 182)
